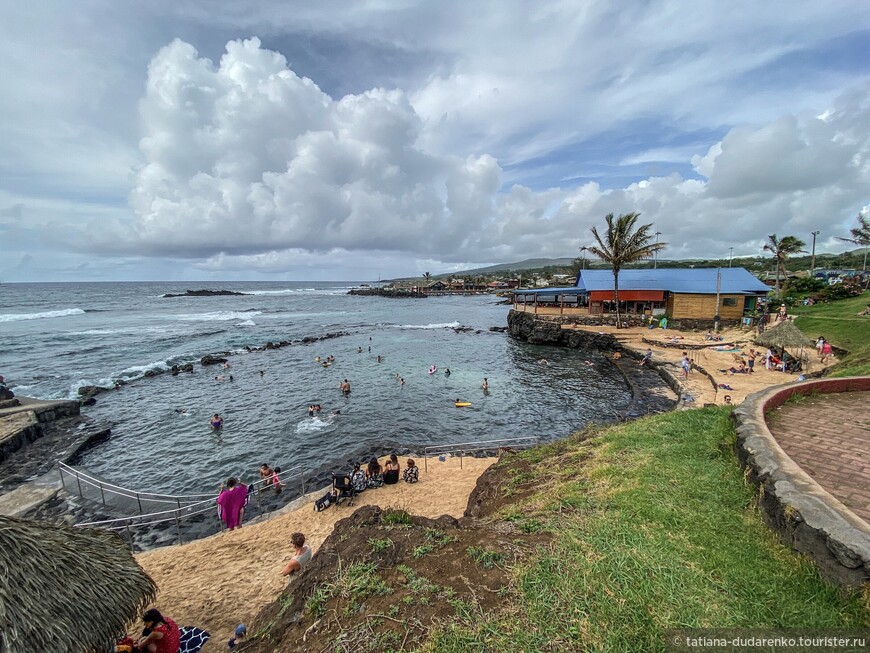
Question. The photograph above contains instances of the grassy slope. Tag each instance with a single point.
(654, 528)
(839, 322)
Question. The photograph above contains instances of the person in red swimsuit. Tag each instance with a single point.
(162, 635)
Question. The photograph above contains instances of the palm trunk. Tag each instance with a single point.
(616, 297)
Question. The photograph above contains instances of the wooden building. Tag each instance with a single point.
(679, 293)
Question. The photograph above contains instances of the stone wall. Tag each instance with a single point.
(808, 518)
(609, 319)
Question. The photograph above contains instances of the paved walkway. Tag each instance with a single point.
(827, 435)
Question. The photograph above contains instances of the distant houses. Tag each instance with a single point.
(680, 293)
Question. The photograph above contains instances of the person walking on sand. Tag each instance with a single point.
(231, 503)
(301, 555)
(686, 364)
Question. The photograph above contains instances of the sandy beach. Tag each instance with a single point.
(667, 347)
(221, 581)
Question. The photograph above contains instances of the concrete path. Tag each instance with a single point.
(827, 436)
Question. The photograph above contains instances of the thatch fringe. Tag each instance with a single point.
(66, 589)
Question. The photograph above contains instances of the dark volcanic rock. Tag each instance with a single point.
(212, 359)
(91, 390)
(499, 329)
(401, 293)
(204, 293)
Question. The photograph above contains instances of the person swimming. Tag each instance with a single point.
(433, 369)
(311, 410)
(344, 386)
(447, 371)
(217, 422)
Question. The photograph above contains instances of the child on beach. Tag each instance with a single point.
(411, 473)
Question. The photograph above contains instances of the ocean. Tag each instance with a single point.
(58, 337)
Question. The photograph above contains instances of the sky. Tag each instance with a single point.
(298, 140)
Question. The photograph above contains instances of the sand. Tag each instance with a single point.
(703, 389)
(221, 581)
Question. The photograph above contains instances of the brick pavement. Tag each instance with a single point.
(828, 436)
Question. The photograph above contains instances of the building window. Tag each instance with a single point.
(729, 301)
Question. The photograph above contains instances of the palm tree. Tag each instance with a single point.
(782, 248)
(860, 235)
(622, 244)
(426, 277)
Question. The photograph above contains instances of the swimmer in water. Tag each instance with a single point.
(262, 372)
(219, 377)
(217, 422)
(336, 412)
(181, 411)
(485, 385)
(379, 358)
(311, 410)
(359, 350)
(447, 371)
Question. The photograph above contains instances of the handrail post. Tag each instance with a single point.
(79, 481)
(129, 534)
(178, 528)
(139, 501)
(102, 494)
(302, 478)
(62, 482)
(425, 461)
(461, 456)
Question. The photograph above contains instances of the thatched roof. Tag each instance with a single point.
(784, 334)
(66, 589)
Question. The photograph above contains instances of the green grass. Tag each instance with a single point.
(660, 531)
(839, 322)
(380, 545)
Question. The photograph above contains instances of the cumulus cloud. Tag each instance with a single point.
(246, 156)
(248, 165)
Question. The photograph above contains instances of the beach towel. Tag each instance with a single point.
(192, 639)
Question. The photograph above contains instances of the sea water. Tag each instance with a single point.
(56, 338)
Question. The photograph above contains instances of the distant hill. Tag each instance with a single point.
(528, 264)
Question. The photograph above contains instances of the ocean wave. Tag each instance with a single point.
(443, 325)
(218, 316)
(247, 323)
(15, 317)
(286, 291)
(313, 424)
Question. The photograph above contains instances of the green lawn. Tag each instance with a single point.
(653, 528)
(840, 324)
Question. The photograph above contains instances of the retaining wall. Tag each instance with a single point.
(807, 517)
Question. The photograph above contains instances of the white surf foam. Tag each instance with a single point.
(247, 323)
(444, 325)
(15, 317)
(218, 316)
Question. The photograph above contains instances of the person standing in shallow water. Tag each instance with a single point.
(485, 385)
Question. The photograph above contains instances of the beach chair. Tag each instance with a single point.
(342, 489)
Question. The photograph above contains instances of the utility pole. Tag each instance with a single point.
(656, 253)
(583, 250)
(813, 258)
(730, 255)
(717, 321)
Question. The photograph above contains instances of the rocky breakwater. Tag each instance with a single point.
(399, 293)
(204, 293)
(653, 389)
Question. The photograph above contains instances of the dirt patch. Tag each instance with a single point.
(509, 481)
(383, 577)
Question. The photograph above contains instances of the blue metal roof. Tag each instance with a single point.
(547, 291)
(733, 281)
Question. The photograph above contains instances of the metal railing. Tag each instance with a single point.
(185, 507)
(463, 448)
(188, 506)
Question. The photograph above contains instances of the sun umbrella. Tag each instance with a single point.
(784, 334)
(65, 588)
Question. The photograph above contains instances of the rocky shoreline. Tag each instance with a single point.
(650, 387)
(204, 293)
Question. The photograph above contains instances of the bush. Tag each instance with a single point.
(848, 288)
(805, 285)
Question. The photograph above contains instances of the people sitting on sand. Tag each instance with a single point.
(301, 555)
(5, 393)
(391, 470)
(358, 479)
(231, 503)
(374, 474)
(712, 336)
(727, 400)
(216, 422)
(411, 473)
(161, 634)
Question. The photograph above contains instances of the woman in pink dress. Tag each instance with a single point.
(231, 503)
